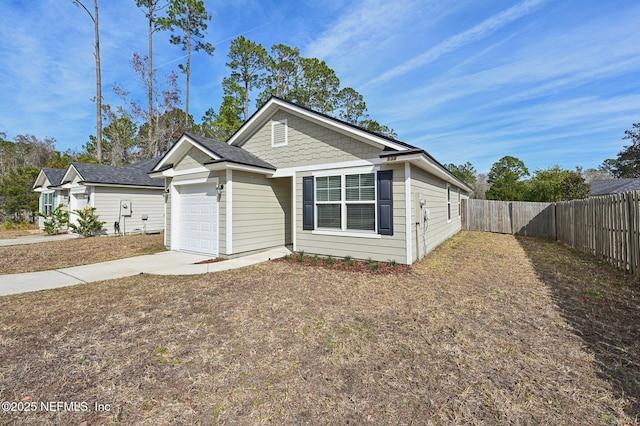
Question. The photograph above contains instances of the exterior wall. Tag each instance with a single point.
(385, 248)
(61, 198)
(107, 201)
(308, 143)
(261, 212)
(193, 159)
(434, 191)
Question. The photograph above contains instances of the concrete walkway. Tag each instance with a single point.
(36, 238)
(165, 263)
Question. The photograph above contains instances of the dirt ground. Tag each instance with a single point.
(488, 329)
(75, 252)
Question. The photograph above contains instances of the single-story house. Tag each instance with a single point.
(126, 195)
(613, 186)
(47, 183)
(292, 176)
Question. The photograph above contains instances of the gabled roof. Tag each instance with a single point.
(54, 176)
(390, 148)
(132, 175)
(614, 186)
(219, 152)
(266, 111)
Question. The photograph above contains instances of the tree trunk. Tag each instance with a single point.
(150, 78)
(98, 85)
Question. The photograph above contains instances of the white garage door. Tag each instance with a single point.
(198, 219)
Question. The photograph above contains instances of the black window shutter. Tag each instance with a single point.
(385, 202)
(307, 203)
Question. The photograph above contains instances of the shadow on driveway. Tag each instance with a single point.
(602, 305)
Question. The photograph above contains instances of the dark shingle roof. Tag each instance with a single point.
(614, 186)
(54, 175)
(230, 153)
(134, 174)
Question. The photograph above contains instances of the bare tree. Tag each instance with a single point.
(95, 19)
(188, 17)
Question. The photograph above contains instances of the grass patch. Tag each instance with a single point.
(490, 340)
(76, 252)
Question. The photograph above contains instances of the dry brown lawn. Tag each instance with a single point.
(488, 329)
(75, 252)
(15, 233)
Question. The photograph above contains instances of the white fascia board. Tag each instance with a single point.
(70, 172)
(428, 165)
(40, 180)
(176, 152)
(290, 171)
(227, 165)
(274, 104)
(171, 173)
(114, 185)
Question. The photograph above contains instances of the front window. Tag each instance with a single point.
(47, 203)
(346, 202)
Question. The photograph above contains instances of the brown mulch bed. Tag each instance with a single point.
(214, 260)
(76, 252)
(346, 264)
(483, 331)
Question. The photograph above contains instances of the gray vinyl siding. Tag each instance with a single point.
(385, 248)
(261, 212)
(308, 144)
(193, 159)
(107, 201)
(434, 191)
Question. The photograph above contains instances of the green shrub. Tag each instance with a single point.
(88, 222)
(348, 260)
(331, 260)
(54, 222)
(316, 259)
(300, 256)
(374, 265)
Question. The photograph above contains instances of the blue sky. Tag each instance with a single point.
(550, 82)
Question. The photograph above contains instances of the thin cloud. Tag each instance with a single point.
(478, 32)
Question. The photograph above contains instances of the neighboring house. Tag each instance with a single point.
(126, 195)
(292, 176)
(613, 186)
(47, 184)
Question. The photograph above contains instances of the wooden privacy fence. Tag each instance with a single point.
(510, 217)
(607, 227)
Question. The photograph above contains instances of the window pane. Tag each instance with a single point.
(360, 187)
(367, 193)
(329, 216)
(361, 216)
(322, 182)
(366, 180)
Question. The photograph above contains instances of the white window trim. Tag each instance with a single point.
(448, 195)
(286, 133)
(343, 231)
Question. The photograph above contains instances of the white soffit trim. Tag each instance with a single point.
(274, 104)
(179, 149)
(71, 170)
(290, 171)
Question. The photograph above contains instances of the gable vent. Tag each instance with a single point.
(279, 133)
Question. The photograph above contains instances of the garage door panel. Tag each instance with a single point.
(198, 219)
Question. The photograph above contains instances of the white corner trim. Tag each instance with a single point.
(407, 197)
(294, 222)
(229, 212)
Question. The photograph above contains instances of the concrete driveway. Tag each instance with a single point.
(165, 263)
